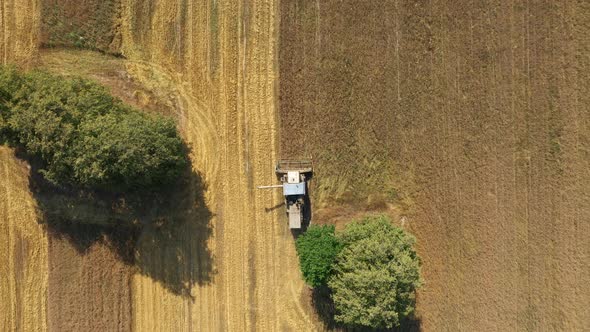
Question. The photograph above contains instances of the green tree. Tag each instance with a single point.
(85, 136)
(375, 275)
(317, 248)
(10, 81)
(127, 150)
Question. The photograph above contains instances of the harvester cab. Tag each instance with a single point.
(294, 176)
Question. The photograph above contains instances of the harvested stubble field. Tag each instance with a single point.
(228, 263)
(468, 120)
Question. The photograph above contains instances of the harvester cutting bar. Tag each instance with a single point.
(302, 166)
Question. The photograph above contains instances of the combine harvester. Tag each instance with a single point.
(294, 175)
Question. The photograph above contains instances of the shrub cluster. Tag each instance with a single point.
(371, 269)
(317, 250)
(86, 137)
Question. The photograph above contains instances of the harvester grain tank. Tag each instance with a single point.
(294, 176)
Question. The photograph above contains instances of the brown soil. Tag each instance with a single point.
(474, 116)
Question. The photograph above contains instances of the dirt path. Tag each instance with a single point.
(23, 251)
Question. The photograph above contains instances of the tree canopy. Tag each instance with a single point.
(85, 136)
(375, 274)
(317, 249)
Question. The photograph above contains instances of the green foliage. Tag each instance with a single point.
(86, 137)
(375, 275)
(10, 80)
(317, 248)
(127, 149)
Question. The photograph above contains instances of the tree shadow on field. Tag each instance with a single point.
(173, 249)
(324, 307)
(162, 234)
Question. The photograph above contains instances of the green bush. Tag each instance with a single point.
(129, 149)
(317, 248)
(86, 137)
(375, 275)
(10, 81)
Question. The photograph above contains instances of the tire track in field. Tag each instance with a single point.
(225, 88)
(198, 310)
(266, 256)
(228, 112)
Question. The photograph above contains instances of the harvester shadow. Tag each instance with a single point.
(278, 206)
(324, 306)
(163, 235)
